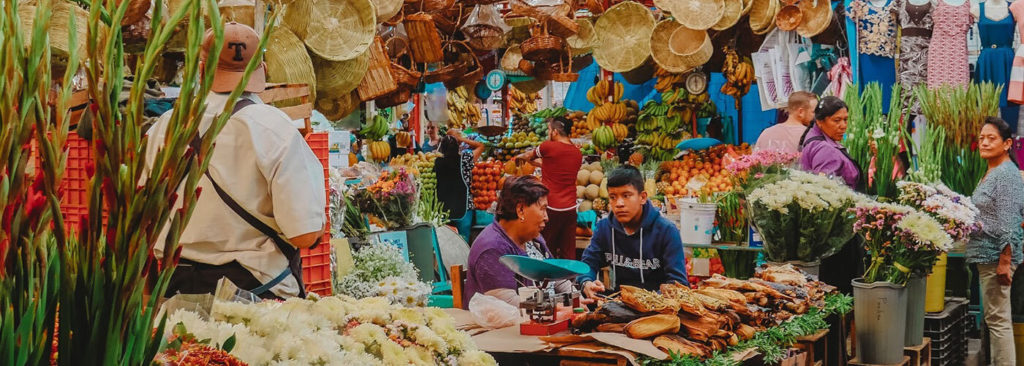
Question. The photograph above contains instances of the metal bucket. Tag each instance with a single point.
(880, 311)
(916, 289)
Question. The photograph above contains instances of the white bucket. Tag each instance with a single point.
(696, 221)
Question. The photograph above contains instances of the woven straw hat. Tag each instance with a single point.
(817, 15)
(583, 42)
(788, 18)
(660, 51)
(59, 16)
(334, 78)
(762, 15)
(623, 37)
(387, 9)
(697, 14)
(340, 30)
(692, 46)
(731, 16)
(287, 60)
(336, 108)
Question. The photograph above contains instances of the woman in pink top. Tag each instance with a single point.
(785, 137)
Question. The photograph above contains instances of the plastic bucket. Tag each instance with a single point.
(696, 221)
(935, 295)
(880, 315)
(916, 289)
(1018, 341)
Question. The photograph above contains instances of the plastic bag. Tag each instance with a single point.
(490, 312)
(485, 28)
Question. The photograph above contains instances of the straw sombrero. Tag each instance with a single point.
(623, 37)
(660, 51)
(731, 16)
(387, 9)
(59, 16)
(697, 14)
(287, 60)
(583, 41)
(817, 15)
(788, 18)
(335, 78)
(340, 30)
(692, 46)
(762, 15)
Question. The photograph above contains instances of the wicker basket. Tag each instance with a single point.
(583, 41)
(732, 14)
(624, 37)
(405, 77)
(136, 11)
(474, 71)
(424, 40)
(387, 9)
(456, 64)
(432, 6)
(527, 67)
(817, 16)
(788, 18)
(341, 30)
(396, 47)
(59, 31)
(543, 47)
(378, 79)
(562, 26)
(660, 51)
(692, 46)
(484, 37)
(394, 98)
(335, 109)
(762, 15)
(510, 60)
(339, 77)
(296, 16)
(698, 14)
(288, 62)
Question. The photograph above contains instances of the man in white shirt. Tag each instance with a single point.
(263, 167)
(785, 137)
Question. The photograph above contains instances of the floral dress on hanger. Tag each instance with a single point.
(876, 44)
(996, 59)
(947, 51)
(916, 21)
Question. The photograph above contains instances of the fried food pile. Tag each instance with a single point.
(719, 313)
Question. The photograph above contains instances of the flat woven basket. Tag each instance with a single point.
(762, 15)
(731, 16)
(59, 31)
(288, 62)
(691, 45)
(510, 60)
(788, 18)
(387, 9)
(660, 51)
(240, 11)
(336, 78)
(817, 15)
(296, 16)
(543, 47)
(378, 79)
(424, 40)
(336, 108)
(697, 14)
(341, 30)
(394, 98)
(623, 37)
(583, 41)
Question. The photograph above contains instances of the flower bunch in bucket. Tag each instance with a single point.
(748, 170)
(900, 240)
(389, 201)
(802, 216)
(955, 212)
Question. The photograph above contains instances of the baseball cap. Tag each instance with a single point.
(240, 44)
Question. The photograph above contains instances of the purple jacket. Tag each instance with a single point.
(484, 272)
(821, 154)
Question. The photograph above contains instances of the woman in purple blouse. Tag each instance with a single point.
(821, 151)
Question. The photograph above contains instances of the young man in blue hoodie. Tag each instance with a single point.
(642, 247)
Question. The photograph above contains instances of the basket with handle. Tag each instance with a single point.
(399, 96)
(378, 79)
(474, 71)
(454, 65)
(424, 39)
(401, 63)
(543, 46)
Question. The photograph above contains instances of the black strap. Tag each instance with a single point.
(290, 251)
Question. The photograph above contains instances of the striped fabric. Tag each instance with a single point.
(1015, 91)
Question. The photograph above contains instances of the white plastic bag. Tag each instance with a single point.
(490, 312)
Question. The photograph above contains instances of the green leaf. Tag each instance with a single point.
(229, 344)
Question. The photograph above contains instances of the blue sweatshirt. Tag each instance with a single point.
(650, 257)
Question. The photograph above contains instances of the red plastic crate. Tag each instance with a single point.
(316, 263)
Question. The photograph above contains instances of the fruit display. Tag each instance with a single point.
(699, 173)
(604, 138)
(487, 179)
(403, 139)
(521, 103)
(376, 129)
(462, 110)
(592, 187)
(518, 169)
(660, 128)
(588, 149)
(420, 165)
(668, 80)
(605, 92)
(380, 151)
(739, 75)
(511, 145)
(527, 124)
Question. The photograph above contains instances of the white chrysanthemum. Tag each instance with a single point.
(926, 230)
(428, 338)
(476, 358)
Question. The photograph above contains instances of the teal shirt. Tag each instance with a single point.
(1000, 198)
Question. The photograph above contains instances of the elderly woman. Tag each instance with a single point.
(821, 151)
(997, 247)
(520, 217)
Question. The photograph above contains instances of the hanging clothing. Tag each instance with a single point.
(947, 51)
(916, 21)
(996, 59)
(1015, 90)
(876, 43)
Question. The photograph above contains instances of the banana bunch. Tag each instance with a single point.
(620, 131)
(380, 151)
(522, 103)
(376, 129)
(668, 82)
(600, 92)
(739, 75)
(608, 113)
(461, 110)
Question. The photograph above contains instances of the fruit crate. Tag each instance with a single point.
(948, 331)
(316, 263)
(952, 315)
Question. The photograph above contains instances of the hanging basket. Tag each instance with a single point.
(698, 14)
(692, 46)
(624, 37)
(387, 9)
(288, 62)
(474, 71)
(788, 18)
(732, 14)
(341, 30)
(660, 51)
(378, 80)
(339, 77)
(583, 41)
(543, 46)
(510, 60)
(392, 99)
(336, 108)
(136, 11)
(817, 16)
(454, 65)
(424, 40)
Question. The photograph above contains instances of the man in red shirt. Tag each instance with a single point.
(559, 161)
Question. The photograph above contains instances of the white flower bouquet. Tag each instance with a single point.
(802, 216)
(900, 240)
(380, 270)
(955, 212)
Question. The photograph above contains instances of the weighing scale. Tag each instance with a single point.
(541, 307)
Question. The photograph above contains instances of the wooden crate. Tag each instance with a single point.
(816, 346)
(905, 362)
(920, 355)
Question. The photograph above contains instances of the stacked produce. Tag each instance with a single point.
(658, 132)
(511, 145)
(610, 119)
(420, 165)
(514, 168)
(527, 124)
(374, 131)
(720, 314)
(588, 149)
(462, 110)
(699, 173)
(592, 188)
(739, 75)
(522, 103)
(487, 180)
